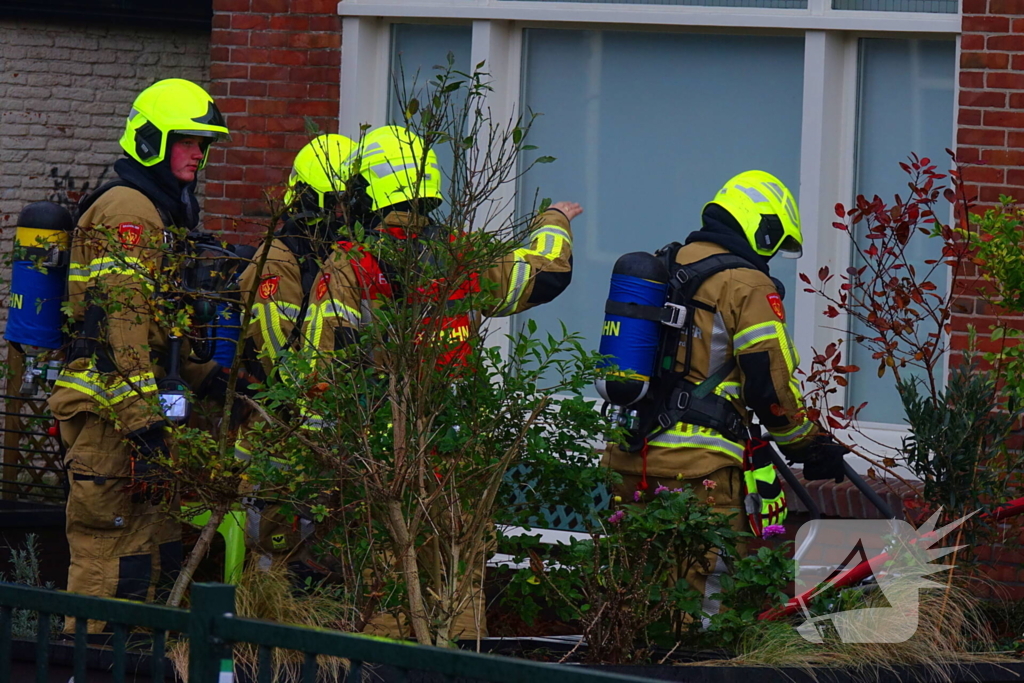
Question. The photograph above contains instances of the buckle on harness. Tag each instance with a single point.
(683, 401)
(676, 315)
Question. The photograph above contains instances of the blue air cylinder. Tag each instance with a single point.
(637, 278)
(226, 329)
(39, 276)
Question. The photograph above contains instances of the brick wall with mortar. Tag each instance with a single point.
(990, 131)
(990, 147)
(273, 63)
(65, 91)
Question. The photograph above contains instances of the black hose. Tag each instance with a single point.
(868, 492)
(795, 485)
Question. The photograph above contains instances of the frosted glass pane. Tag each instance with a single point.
(646, 127)
(773, 4)
(932, 6)
(906, 105)
(416, 49)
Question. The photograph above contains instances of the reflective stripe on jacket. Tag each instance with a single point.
(745, 321)
(117, 250)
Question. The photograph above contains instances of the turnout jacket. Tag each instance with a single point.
(350, 281)
(276, 306)
(293, 259)
(747, 322)
(117, 251)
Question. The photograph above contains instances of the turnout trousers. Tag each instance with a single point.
(727, 494)
(119, 548)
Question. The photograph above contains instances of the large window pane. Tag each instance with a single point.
(646, 127)
(931, 6)
(416, 49)
(772, 4)
(905, 105)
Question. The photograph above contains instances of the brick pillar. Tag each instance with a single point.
(990, 126)
(991, 108)
(272, 63)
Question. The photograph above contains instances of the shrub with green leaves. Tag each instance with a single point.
(626, 585)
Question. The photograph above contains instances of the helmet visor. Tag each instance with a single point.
(790, 248)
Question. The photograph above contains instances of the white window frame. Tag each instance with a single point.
(829, 95)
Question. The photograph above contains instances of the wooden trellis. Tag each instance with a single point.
(32, 467)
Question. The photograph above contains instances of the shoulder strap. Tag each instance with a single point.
(91, 199)
(675, 398)
(687, 279)
(88, 200)
(309, 268)
(684, 282)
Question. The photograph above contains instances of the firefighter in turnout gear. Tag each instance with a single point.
(294, 259)
(124, 537)
(387, 195)
(737, 345)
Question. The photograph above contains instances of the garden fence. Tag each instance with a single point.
(212, 628)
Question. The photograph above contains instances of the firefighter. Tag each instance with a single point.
(387, 195)
(294, 259)
(124, 537)
(740, 342)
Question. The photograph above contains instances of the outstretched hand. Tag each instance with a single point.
(570, 209)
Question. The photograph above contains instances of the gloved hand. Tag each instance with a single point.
(215, 385)
(823, 459)
(149, 481)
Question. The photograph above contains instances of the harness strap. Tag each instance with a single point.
(696, 404)
(675, 399)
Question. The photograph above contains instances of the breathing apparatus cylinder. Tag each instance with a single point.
(641, 279)
(39, 276)
(226, 330)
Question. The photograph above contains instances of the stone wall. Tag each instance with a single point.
(64, 94)
(65, 91)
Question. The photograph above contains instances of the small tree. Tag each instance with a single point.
(424, 416)
(957, 444)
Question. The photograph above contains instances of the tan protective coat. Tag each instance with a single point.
(743, 300)
(119, 548)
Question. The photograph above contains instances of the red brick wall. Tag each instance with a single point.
(272, 63)
(990, 133)
(991, 114)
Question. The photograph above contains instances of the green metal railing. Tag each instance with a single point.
(212, 628)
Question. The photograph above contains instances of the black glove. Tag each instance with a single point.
(149, 481)
(215, 385)
(823, 459)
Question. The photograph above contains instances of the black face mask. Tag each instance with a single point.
(176, 199)
(719, 227)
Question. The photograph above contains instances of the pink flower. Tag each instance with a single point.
(709, 484)
(677, 490)
(617, 516)
(660, 489)
(637, 495)
(773, 530)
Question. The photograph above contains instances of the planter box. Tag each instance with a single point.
(18, 519)
(99, 662)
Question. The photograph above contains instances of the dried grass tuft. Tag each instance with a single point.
(267, 594)
(952, 630)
